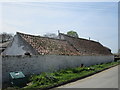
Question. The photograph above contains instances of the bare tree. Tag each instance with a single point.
(5, 37)
(50, 35)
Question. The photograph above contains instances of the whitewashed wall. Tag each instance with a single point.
(47, 63)
(19, 47)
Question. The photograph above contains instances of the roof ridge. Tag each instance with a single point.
(39, 36)
(53, 46)
(79, 38)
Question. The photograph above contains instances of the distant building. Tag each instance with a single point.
(86, 47)
(3, 46)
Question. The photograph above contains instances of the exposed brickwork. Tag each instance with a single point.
(49, 46)
(87, 47)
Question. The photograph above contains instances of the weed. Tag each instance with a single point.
(48, 79)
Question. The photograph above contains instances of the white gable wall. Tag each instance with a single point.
(18, 47)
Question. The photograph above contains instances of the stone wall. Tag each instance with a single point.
(47, 63)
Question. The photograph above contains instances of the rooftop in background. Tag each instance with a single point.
(86, 47)
(3, 45)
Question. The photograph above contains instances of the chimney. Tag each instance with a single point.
(89, 38)
(59, 34)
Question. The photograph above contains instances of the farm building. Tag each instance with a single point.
(35, 54)
(86, 47)
(65, 45)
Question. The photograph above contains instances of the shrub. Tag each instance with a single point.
(48, 79)
(77, 70)
(43, 79)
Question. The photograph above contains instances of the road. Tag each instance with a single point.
(105, 79)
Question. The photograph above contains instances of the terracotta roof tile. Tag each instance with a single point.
(46, 45)
(87, 47)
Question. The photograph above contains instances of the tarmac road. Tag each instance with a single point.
(105, 79)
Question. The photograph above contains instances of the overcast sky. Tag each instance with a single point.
(97, 20)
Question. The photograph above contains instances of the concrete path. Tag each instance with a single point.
(105, 79)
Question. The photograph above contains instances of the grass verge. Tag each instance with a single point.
(50, 80)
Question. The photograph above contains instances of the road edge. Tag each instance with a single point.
(79, 78)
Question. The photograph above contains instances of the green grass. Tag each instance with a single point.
(50, 79)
